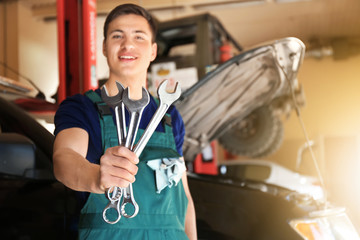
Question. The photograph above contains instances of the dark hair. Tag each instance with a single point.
(129, 8)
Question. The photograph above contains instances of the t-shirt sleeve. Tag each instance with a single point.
(74, 112)
(178, 129)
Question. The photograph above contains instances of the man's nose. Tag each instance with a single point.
(128, 43)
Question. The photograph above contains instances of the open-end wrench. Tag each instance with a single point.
(135, 108)
(166, 99)
(115, 102)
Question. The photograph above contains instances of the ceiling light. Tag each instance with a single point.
(226, 4)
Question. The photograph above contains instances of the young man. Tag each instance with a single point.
(81, 164)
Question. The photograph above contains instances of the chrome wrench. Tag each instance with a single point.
(166, 99)
(135, 109)
(115, 102)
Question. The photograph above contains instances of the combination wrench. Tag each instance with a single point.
(165, 101)
(114, 193)
(135, 109)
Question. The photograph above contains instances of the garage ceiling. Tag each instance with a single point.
(316, 22)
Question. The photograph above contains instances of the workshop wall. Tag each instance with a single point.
(332, 95)
(38, 52)
(102, 69)
(332, 119)
(2, 38)
(36, 49)
(9, 38)
(331, 89)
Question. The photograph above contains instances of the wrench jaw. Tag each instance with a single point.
(165, 96)
(135, 105)
(114, 203)
(165, 99)
(135, 108)
(115, 102)
(128, 198)
(120, 87)
(112, 101)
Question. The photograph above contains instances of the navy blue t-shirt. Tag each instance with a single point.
(79, 111)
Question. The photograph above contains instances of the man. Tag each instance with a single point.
(81, 164)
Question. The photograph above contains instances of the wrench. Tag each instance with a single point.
(166, 99)
(135, 109)
(115, 102)
(114, 203)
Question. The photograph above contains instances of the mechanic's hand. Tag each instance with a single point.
(117, 167)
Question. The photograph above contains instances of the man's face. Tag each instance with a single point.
(128, 46)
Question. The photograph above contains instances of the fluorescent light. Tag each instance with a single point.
(288, 1)
(227, 4)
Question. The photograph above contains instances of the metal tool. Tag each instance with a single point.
(115, 102)
(166, 99)
(114, 203)
(135, 108)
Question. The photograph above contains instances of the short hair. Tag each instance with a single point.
(126, 9)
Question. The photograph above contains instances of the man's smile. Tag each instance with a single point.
(127, 57)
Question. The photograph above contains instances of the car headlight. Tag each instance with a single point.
(330, 224)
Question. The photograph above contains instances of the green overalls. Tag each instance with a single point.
(161, 215)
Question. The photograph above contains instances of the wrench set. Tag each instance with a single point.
(127, 138)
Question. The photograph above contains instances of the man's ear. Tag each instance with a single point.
(104, 48)
(154, 51)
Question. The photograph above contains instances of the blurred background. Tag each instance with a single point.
(329, 75)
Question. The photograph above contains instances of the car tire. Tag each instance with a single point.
(257, 135)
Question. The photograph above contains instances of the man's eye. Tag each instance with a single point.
(139, 38)
(116, 36)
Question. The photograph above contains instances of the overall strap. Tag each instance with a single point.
(108, 128)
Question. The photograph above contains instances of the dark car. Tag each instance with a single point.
(231, 209)
(33, 204)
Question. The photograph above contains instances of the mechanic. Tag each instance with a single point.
(81, 163)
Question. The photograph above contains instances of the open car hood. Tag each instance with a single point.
(235, 88)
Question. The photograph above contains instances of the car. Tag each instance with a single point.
(33, 204)
(248, 210)
(271, 173)
(240, 101)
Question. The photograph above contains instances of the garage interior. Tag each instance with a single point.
(329, 75)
